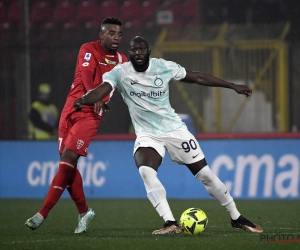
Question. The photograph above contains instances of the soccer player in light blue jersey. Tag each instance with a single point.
(144, 85)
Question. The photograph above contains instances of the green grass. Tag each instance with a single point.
(127, 224)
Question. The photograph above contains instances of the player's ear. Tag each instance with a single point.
(149, 52)
(100, 35)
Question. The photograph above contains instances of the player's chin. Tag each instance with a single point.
(114, 47)
(139, 61)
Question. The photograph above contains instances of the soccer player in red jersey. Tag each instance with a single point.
(77, 129)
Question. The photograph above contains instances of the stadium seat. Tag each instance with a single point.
(132, 18)
(8, 31)
(3, 11)
(108, 8)
(87, 11)
(133, 28)
(64, 11)
(69, 32)
(190, 12)
(131, 10)
(170, 13)
(41, 11)
(14, 12)
(149, 8)
(43, 33)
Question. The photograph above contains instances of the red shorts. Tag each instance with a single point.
(77, 131)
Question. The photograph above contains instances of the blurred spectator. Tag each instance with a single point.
(43, 116)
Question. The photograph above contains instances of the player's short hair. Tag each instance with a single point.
(139, 39)
(111, 20)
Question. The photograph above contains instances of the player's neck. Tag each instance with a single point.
(140, 68)
(108, 51)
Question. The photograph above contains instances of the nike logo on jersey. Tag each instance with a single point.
(194, 156)
(133, 82)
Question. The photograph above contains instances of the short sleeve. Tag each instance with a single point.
(113, 77)
(86, 60)
(178, 72)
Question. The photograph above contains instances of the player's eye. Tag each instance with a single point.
(135, 50)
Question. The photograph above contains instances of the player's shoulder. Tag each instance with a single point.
(122, 69)
(161, 63)
(157, 60)
(124, 65)
(90, 45)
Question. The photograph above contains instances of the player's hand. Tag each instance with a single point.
(78, 104)
(100, 107)
(242, 89)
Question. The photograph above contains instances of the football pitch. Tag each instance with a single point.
(122, 224)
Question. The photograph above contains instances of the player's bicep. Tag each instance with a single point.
(190, 77)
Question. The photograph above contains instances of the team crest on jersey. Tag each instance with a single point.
(85, 64)
(158, 82)
(87, 56)
(110, 62)
(79, 144)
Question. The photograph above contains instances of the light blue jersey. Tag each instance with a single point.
(147, 94)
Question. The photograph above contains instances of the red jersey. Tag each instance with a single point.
(93, 58)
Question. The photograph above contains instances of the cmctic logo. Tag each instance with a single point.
(263, 176)
(42, 173)
(279, 238)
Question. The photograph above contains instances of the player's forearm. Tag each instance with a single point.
(96, 94)
(211, 81)
(91, 97)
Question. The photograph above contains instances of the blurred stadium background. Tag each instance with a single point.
(253, 42)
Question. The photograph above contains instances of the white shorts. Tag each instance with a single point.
(181, 145)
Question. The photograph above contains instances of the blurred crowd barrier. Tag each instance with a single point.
(250, 169)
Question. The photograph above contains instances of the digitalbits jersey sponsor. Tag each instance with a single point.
(147, 94)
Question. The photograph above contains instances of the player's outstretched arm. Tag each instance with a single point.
(93, 96)
(211, 81)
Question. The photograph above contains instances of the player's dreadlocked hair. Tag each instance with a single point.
(111, 20)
